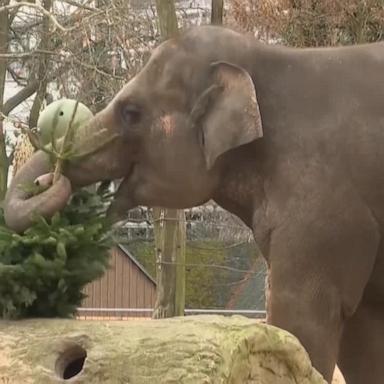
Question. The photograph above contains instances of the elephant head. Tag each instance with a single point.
(192, 103)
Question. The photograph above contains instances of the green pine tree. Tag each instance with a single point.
(44, 270)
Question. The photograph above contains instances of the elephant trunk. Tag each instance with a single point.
(103, 157)
(20, 207)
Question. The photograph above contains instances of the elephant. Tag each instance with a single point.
(288, 139)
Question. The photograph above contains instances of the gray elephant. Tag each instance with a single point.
(291, 141)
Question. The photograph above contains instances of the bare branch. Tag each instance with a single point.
(22, 55)
(28, 91)
(38, 7)
(82, 6)
(96, 69)
(66, 145)
(16, 122)
(19, 80)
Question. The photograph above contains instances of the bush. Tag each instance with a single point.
(311, 23)
(207, 286)
(43, 271)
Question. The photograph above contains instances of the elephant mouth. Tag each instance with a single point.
(128, 175)
(122, 201)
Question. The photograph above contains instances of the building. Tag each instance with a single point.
(127, 290)
(125, 284)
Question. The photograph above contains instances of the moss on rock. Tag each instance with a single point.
(190, 350)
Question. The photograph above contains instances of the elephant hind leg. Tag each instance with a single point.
(362, 345)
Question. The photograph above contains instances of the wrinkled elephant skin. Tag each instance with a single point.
(291, 141)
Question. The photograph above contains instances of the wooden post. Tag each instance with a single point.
(217, 10)
(181, 239)
(170, 260)
(170, 232)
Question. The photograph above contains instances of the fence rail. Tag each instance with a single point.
(147, 312)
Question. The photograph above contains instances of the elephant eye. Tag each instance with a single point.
(130, 114)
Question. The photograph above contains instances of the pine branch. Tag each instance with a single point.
(65, 145)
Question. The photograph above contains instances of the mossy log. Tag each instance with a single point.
(190, 350)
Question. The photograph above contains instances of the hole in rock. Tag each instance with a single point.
(70, 363)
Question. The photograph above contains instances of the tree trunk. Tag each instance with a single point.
(4, 164)
(167, 18)
(217, 12)
(42, 72)
(170, 231)
(193, 349)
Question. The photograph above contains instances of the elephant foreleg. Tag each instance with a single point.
(362, 346)
(318, 276)
(313, 317)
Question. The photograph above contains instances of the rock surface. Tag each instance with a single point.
(190, 350)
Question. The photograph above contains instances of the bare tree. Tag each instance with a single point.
(48, 59)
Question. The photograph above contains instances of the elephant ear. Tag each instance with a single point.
(227, 113)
